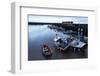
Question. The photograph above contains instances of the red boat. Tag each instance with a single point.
(46, 50)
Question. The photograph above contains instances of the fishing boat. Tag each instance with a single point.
(46, 51)
(62, 44)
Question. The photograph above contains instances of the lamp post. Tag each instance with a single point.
(79, 32)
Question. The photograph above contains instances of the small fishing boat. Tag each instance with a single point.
(46, 51)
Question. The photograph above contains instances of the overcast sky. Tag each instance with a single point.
(58, 19)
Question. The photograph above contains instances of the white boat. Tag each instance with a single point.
(61, 44)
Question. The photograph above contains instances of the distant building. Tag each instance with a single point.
(67, 23)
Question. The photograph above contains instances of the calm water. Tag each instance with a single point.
(41, 34)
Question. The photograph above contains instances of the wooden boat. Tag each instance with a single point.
(46, 51)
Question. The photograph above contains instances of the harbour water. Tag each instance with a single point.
(42, 34)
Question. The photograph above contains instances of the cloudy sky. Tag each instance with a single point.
(58, 19)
